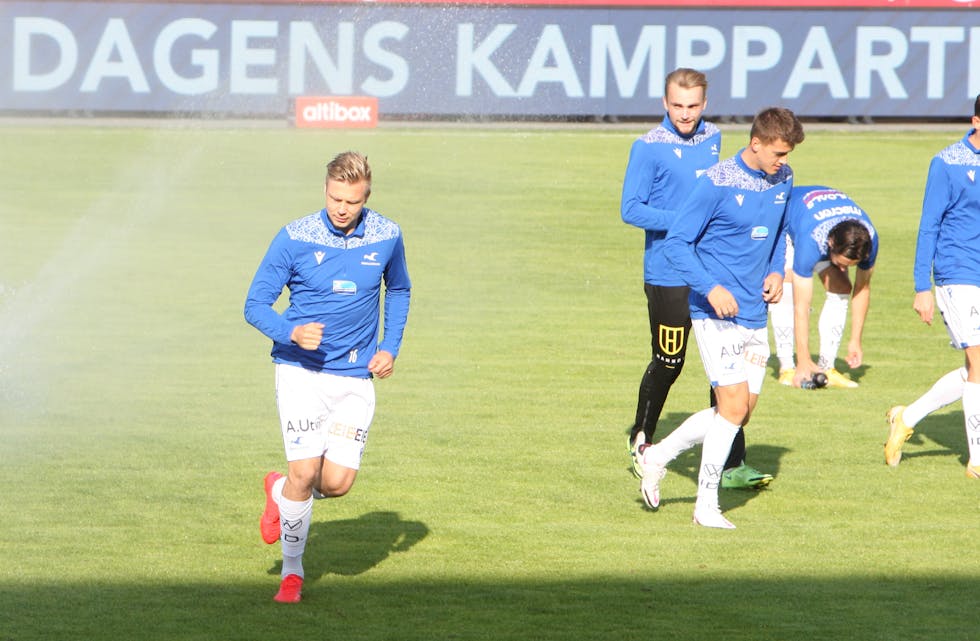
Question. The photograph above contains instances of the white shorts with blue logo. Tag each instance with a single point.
(731, 353)
(960, 307)
(324, 414)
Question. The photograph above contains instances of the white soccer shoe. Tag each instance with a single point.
(711, 517)
(650, 481)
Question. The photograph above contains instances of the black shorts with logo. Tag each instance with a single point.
(670, 322)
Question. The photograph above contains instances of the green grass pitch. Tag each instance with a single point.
(137, 416)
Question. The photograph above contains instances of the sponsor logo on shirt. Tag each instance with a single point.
(813, 198)
(677, 152)
(319, 257)
(972, 174)
(740, 198)
(344, 287)
(760, 232)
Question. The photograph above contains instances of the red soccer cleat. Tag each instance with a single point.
(269, 523)
(290, 590)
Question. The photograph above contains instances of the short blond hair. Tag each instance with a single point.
(686, 79)
(350, 167)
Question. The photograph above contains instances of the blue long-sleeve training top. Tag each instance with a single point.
(662, 169)
(948, 245)
(812, 212)
(731, 232)
(334, 279)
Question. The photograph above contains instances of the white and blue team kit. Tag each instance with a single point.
(948, 246)
(812, 212)
(662, 170)
(731, 232)
(334, 279)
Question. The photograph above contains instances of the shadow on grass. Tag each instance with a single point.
(756, 608)
(354, 546)
(946, 430)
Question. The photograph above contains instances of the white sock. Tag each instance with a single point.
(277, 489)
(833, 317)
(781, 314)
(948, 389)
(714, 453)
(684, 437)
(971, 417)
(294, 518)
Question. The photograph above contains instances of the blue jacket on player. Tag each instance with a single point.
(948, 246)
(812, 212)
(334, 279)
(662, 169)
(731, 232)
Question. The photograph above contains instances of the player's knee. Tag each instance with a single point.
(666, 368)
(336, 488)
(302, 478)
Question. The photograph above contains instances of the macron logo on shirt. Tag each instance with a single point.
(972, 174)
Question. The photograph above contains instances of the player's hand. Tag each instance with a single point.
(772, 288)
(308, 336)
(855, 356)
(382, 364)
(804, 372)
(722, 301)
(925, 306)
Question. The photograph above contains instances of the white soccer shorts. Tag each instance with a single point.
(324, 414)
(960, 307)
(732, 353)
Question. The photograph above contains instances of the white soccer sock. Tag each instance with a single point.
(277, 489)
(833, 317)
(714, 453)
(684, 437)
(971, 417)
(948, 389)
(294, 518)
(781, 314)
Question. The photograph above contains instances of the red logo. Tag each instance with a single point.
(336, 111)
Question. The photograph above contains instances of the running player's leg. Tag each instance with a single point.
(670, 326)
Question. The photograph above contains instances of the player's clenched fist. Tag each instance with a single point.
(308, 336)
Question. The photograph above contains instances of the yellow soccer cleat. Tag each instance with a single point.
(898, 433)
(972, 471)
(836, 379)
(786, 376)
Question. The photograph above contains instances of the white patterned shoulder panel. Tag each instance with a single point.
(959, 154)
(728, 173)
(311, 229)
(665, 136)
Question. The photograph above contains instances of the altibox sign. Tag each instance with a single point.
(337, 111)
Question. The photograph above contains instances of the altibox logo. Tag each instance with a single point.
(336, 111)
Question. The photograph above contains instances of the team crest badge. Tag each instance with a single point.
(671, 340)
